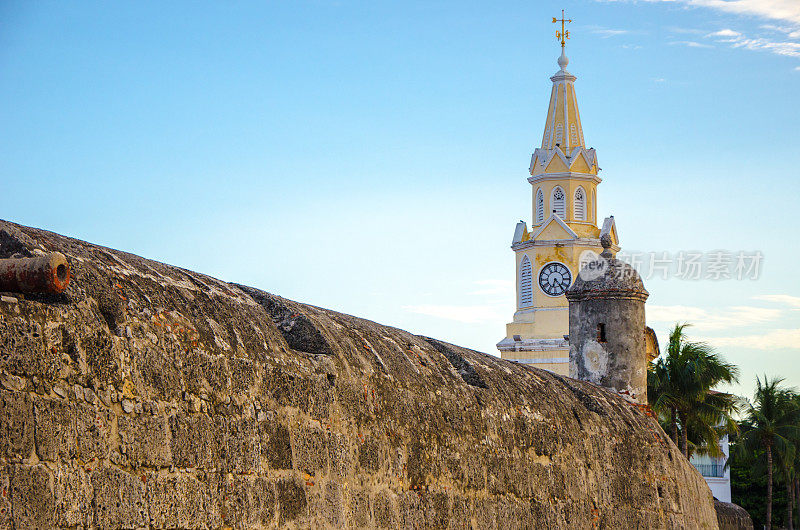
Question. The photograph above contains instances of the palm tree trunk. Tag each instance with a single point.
(674, 425)
(796, 496)
(684, 435)
(768, 526)
(789, 501)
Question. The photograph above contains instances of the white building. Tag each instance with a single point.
(713, 470)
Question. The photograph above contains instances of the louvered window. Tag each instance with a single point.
(547, 137)
(573, 134)
(559, 133)
(525, 284)
(580, 205)
(559, 203)
(539, 207)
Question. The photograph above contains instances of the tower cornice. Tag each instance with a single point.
(544, 177)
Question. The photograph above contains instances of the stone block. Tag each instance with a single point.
(249, 501)
(309, 450)
(358, 513)
(384, 509)
(16, 425)
(65, 429)
(120, 499)
(437, 509)
(194, 442)
(369, 454)
(23, 351)
(327, 506)
(275, 444)
(412, 510)
(513, 513)
(180, 500)
(340, 458)
(146, 440)
(32, 503)
(242, 453)
(73, 496)
(485, 513)
(5, 498)
(461, 513)
(292, 502)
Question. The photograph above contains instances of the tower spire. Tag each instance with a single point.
(563, 129)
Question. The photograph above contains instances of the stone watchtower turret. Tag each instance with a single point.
(607, 326)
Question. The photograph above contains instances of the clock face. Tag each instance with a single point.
(554, 279)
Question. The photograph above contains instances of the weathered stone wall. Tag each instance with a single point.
(732, 516)
(151, 396)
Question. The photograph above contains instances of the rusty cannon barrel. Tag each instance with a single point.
(48, 273)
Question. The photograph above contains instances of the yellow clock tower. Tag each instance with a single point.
(563, 178)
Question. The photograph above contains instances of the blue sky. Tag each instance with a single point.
(371, 157)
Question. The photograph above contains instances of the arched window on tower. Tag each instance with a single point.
(539, 207)
(573, 134)
(525, 283)
(558, 202)
(579, 206)
(559, 134)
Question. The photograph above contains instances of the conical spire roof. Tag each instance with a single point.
(563, 126)
(563, 148)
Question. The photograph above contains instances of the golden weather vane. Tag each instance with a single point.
(563, 34)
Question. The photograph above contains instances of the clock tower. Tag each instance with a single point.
(563, 178)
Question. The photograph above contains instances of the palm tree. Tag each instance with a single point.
(772, 427)
(680, 387)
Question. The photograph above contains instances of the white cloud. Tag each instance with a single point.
(725, 33)
(793, 301)
(688, 31)
(787, 10)
(791, 32)
(739, 40)
(659, 80)
(784, 10)
(771, 340)
(704, 319)
(606, 33)
(469, 314)
(691, 44)
(797, 68)
(493, 287)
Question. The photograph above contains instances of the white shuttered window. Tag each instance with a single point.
(539, 207)
(558, 202)
(525, 283)
(580, 205)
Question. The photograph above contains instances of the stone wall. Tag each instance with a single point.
(151, 396)
(732, 516)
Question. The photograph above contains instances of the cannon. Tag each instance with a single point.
(48, 273)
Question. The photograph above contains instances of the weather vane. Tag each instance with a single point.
(563, 34)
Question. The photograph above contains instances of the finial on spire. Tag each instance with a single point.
(564, 33)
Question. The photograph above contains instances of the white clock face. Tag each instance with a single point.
(554, 279)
